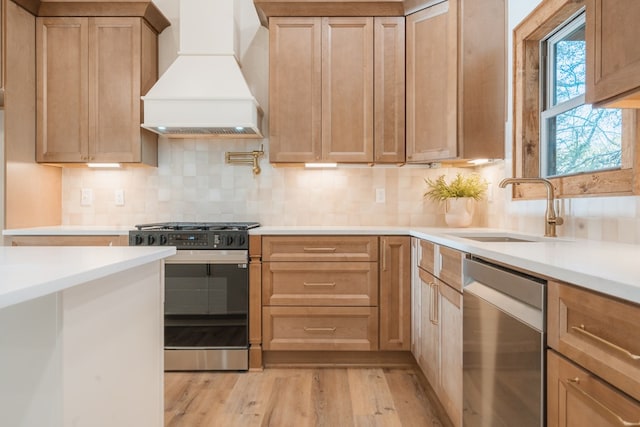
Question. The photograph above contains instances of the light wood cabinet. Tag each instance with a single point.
(68, 240)
(437, 339)
(576, 398)
(91, 73)
(456, 81)
(3, 30)
(395, 293)
(613, 54)
(320, 293)
(321, 89)
(320, 328)
(597, 332)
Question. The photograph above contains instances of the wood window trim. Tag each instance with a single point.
(526, 116)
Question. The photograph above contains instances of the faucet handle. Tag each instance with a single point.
(559, 220)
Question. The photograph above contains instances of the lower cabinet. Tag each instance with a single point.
(320, 328)
(577, 398)
(593, 374)
(437, 324)
(68, 240)
(334, 293)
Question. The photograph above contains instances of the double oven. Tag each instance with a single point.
(206, 307)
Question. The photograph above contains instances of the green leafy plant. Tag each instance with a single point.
(462, 186)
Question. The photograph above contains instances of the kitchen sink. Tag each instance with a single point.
(496, 237)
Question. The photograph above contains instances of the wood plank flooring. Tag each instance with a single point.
(323, 397)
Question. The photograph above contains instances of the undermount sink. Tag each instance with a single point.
(506, 238)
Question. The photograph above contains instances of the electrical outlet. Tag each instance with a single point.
(380, 196)
(118, 196)
(86, 197)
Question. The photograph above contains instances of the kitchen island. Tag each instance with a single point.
(81, 340)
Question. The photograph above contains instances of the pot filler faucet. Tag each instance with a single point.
(551, 219)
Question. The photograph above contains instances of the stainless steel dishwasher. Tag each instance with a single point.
(503, 347)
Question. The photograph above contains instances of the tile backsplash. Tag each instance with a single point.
(193, 183)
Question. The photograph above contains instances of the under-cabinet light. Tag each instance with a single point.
(103, 165)
(320, 165)
(479, 161)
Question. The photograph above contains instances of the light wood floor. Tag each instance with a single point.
(331, 397)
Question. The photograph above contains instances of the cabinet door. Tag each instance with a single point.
(347, 89)
(598, 332)
(416, 300)
(114, 89)
(295, 89)
(3, 30)
(450, 392)
(389, 91)
(576, 398)
(395, 293)
(62, 89)
(432, 83)
(430, 330)
(613, 52)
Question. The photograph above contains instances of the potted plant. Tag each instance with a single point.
(459, 196)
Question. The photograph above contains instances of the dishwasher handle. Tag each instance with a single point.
(520, 297)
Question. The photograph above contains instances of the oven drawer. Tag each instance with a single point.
(320, 328)
(320, 248)
(320, 283)
(598, 332)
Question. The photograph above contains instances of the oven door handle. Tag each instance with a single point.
(209, 257)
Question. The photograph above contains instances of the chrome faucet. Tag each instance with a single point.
(551, 219)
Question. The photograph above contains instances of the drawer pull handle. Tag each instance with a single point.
(322, 250)
(328, 284)
(603, 409)
(581, 329)
(319, 329)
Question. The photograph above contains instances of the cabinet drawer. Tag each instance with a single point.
(427, 256)
(68, 240)
(575, 398)
(451, 267)
(320, 328)
(320, 248)
(598, 332)
(320, 283)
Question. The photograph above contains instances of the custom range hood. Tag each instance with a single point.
(204, 93)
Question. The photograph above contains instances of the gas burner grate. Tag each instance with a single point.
(196, 226)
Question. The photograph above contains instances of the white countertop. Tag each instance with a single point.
(70, 230)
(27, 273)
(610, 268)
(605, 267)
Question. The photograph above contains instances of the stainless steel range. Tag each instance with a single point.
(206, 308)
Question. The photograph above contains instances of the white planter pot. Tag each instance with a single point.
(458, 212)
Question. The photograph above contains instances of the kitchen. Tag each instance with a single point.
(193, 183)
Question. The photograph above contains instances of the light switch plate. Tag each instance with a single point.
(380, 196)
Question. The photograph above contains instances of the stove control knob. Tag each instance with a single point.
(138, 240)
(163, 239)
(241, 240)
(151, 240)
(229, 240)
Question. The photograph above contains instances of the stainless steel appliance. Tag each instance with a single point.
(206, 307)
(503, 347)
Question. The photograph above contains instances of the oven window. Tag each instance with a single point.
(206, 305)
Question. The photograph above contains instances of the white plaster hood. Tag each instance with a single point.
(203, 93)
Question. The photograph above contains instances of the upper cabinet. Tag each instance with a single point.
(613, 53)
(456, 81)
(336, 89)
(91, 73)
(3, 29)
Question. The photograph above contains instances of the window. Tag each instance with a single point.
(555, 135)
(575, 138)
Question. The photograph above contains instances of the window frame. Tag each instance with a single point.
(527, 96)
